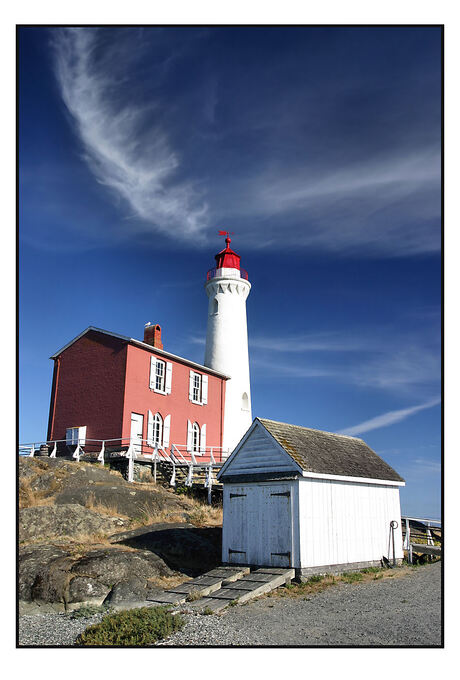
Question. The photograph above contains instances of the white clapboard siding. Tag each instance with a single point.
(260, 454)
(346, 522)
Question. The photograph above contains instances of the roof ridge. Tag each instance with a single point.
(312, 429)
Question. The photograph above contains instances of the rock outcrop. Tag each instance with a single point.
(45, 522)
(71, 555)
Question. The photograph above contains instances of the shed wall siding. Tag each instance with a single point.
(343, 522)
(260, 454)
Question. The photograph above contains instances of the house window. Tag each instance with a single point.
(160, 375)
(198, 388)
(195, 437)
(160, 372)
(157, 433)
(196, 395)
(75, 435)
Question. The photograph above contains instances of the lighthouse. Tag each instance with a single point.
(227, 288)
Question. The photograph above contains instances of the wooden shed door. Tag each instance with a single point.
(279, 526)
(237, 522)
(259, 525)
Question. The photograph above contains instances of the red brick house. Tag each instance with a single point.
(108, 387)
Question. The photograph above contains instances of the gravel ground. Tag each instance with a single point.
(52, 629)
(404, 610)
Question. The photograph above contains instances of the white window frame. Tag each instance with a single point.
(198, 388)
(157, 430)
(196, 438)
(75, 435)
(163, 379)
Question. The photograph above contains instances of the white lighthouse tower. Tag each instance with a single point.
(227, 288)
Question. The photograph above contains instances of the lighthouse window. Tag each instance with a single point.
(160, 376)
(245, 402)
(215, 306)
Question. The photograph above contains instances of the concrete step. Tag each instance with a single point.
(201, 586)
(251, 585)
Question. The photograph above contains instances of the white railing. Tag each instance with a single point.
(427, 525)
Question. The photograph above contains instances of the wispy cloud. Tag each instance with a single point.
(313, 342)
(389, 418)
(427, 465)
(125, 142)
(182, 154)
(388, 205)
(377, 358)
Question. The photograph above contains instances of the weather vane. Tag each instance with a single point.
(226, 233)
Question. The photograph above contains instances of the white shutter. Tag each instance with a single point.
(82, 435)
(150, 429)
(189, 435)
(153, 368)
(168, 377)
(203, 439)
(166, 431)
(204, 389)
(190, 386)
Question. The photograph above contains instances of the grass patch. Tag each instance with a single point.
(352, 577)
(89, 610)
(193, 596)
(319, 582)
(316, 578)
(132, 628)
(372, 570)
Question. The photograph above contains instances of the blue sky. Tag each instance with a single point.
(319, 147)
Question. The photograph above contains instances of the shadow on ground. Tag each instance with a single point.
(183, 547)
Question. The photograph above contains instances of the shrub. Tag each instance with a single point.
(131, 628)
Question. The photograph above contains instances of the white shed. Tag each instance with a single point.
(312, 500)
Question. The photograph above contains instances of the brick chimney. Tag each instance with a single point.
(152, 335)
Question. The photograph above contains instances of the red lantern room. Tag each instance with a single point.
(227, 258)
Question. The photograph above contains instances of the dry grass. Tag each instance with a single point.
(205, 515)
(30, 497)
(166, 582)
(318, 583)
(106, 509)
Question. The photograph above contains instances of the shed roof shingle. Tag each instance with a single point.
(328, 453)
